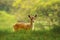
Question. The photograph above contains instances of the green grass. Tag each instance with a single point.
(29, 35)
(6, 20)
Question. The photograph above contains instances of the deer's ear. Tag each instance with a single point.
(36, 15)
(28, 15)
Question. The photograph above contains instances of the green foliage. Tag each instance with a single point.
(47, 11)
(5, 5)
(56, 29)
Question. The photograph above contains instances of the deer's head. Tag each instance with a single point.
(32, 18)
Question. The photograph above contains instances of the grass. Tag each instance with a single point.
(29, 35)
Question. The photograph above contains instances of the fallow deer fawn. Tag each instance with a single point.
(25, 26)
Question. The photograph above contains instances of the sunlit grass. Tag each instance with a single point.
(6, 20)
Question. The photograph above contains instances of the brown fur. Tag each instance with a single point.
(19, 26)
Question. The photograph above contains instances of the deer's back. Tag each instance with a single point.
(18, 26)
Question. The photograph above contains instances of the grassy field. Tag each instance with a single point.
(29, 35)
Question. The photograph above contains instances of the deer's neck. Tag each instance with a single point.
(32, 25)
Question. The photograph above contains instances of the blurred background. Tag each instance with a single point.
(48, 19)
